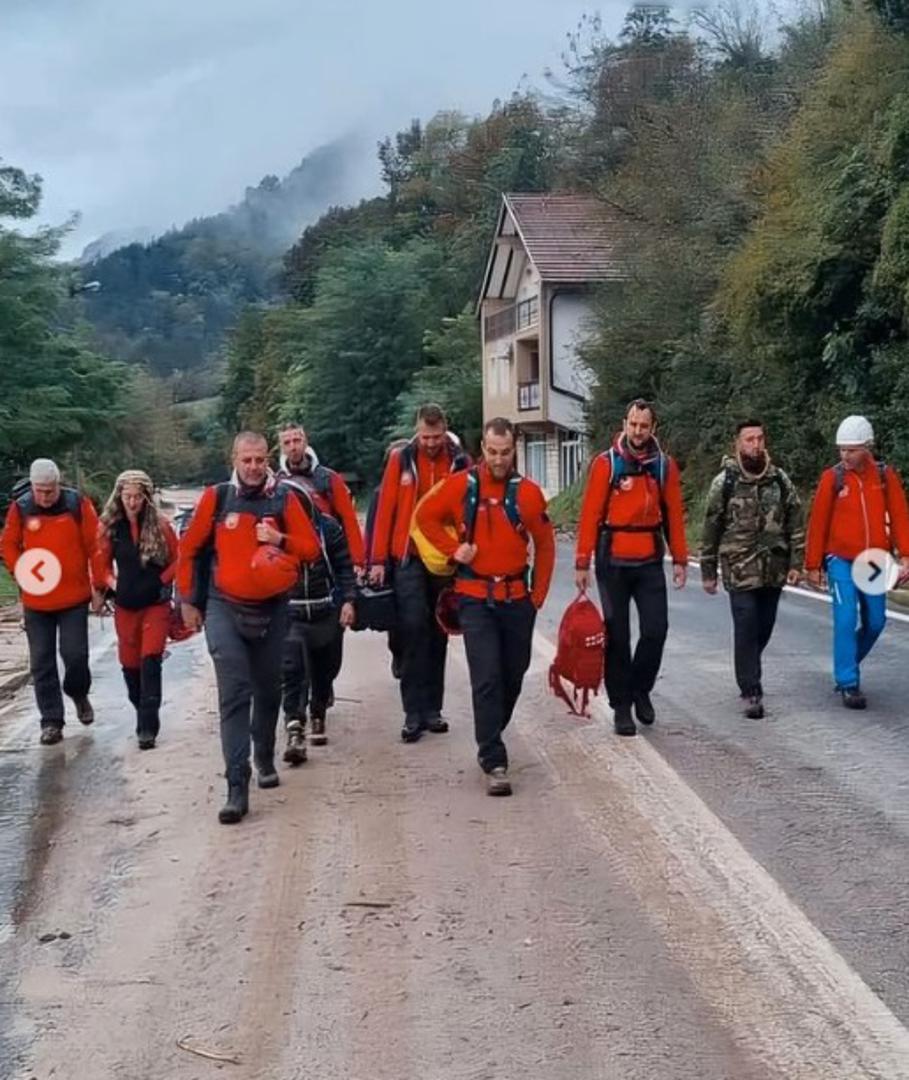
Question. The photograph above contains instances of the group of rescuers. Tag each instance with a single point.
(271, 561)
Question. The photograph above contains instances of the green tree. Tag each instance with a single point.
(57, 397)
(451, 377)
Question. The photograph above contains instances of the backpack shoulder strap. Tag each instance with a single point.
(839, 477)
(322, 480)
(471, 503)
(512, 510)
(662, 470)
(729, 479)
(73, 501)
(407, 457)
(617, 467)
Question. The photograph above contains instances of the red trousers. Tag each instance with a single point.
(141, 633)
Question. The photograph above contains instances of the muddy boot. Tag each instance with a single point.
(85, 712)
(623, 721)
(295, 751)
(436, 723)
(643, 708)
(147, 715)
(317, 734)
(497, 782)
(50, 734)
(266, 773)
(237, 805)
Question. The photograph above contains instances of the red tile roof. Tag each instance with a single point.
(572, 238)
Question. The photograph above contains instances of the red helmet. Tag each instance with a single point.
(448, 611)
(177, 630)
(275, 571)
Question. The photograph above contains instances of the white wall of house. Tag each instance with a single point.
(570, 316)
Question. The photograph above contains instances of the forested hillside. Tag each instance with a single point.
(168, 303)
(763, 170)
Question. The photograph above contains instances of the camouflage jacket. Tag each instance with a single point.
(754, 528)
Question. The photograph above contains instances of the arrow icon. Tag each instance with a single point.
(38, 571)
(874, 571)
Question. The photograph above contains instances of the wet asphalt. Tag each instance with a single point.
(42, 787)
(818, 795)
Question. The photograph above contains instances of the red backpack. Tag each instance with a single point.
(580, 655)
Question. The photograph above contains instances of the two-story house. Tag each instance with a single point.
(534, 309)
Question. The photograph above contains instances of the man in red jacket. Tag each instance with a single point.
(411, 471)
(632, 499)
(859, 504)
(63, 525)
(496, 513)
(240, 556)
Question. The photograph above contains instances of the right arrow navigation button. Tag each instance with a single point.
(875, 571)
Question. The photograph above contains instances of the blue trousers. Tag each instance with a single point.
(851, 606)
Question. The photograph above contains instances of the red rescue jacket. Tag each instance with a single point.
(68, 530)
(235, 540)
(848, 522)
(408, 475)
(635, 509)
(502, 550)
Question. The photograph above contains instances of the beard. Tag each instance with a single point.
(754, 463)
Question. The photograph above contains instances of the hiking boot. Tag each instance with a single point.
(267, 774)
(436, 724)
(146, 741)
(295, 751)
(237, 805)
(50, 734)
(623, 721)
(643, 708)
(85, 712)
(754, 710)
(853, 698)
(413, 729)
(317, 734)
(497, 782)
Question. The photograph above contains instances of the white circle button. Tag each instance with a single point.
(38, 571)
(875, 571)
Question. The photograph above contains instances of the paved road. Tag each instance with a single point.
(721, 898)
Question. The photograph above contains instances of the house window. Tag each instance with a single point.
(528, 313)
(572, 451)
(535, 458)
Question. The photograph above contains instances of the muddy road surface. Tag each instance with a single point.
(719, 899)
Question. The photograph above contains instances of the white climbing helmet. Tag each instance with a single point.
(855, 431)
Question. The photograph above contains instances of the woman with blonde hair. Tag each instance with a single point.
(136, 558)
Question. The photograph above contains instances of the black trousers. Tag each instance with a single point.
(753, 619)
(627, 674)
(313, 651)
(41, 629)
(423, 645)
(249, 683)
(498, 639)
(143, 686)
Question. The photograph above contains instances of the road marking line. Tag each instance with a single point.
(751, 951)
(824, 598)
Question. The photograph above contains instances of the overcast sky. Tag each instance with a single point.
(150, 112)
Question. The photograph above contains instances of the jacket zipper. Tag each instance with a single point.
(864, 511)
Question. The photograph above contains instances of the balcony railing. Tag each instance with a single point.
(528, 313)
(528, 396)
(500, 325)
